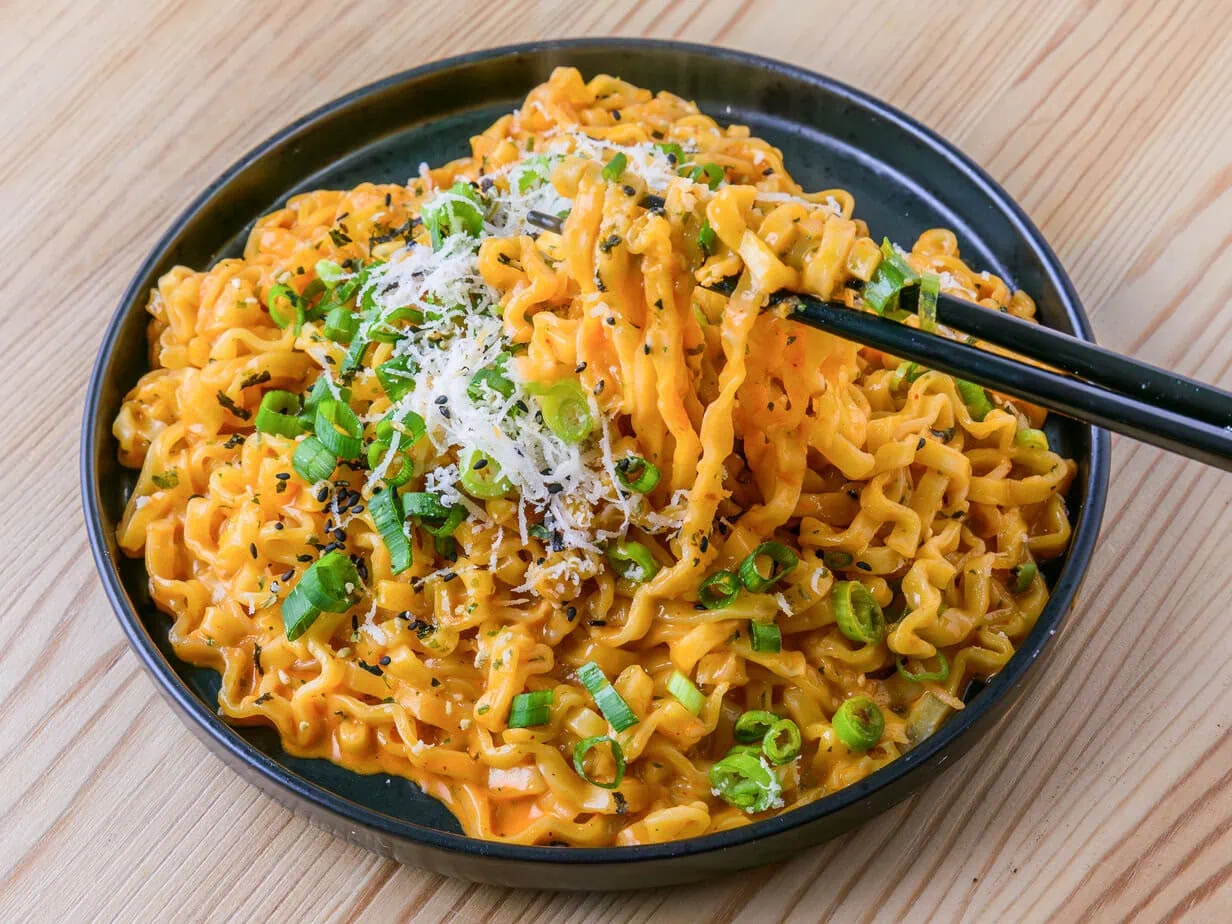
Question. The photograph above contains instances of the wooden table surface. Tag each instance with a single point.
(1106, 796)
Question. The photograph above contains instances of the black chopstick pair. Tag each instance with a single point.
(1093, 384)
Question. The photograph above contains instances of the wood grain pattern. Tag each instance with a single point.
(1106, 796)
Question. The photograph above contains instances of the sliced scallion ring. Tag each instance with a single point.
(326, 586)
(530, 709)
(278, 414)
(940, 675)
(481, 476)
(632, 561)
(386, 509)
(858, 723)
(782, 742)
(610, 702)
(858, 615)
(743, 780)
(1024, 574)
(765, 637)
(752, 726)
(782, 561)
(636, 474)
(339, 429)
(312, 461)
(686, 692)
(719, 590)
(584, 747)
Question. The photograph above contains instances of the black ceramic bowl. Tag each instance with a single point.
(905, 179)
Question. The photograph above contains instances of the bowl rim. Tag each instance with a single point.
(222, 737)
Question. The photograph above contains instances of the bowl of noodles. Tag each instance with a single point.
(451, 471)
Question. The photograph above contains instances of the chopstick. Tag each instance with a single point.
(1104, 388)
(1176, 428)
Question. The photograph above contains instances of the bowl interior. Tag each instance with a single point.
(904, 182)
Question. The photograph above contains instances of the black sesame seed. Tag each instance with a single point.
(322, 494)
(287, 576)
(283, 476)
(358, 508)
(580, 368)
(920, 444)
(629, 191)
(598, 389)
(480, 463)
(445, 413)
(303, 558)
(864, 566)
(384, 660)
(252, 549)
(449, 576)
(442, 399)
(279, 526)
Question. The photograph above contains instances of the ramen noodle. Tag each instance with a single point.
(514, 481)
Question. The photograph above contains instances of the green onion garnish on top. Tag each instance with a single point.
(636, 474)
(686, 693)
(584, 747)
(340, 325)
(481, 476)
(719, 590)
(892, 275)
(491, 379)
(566, 411)
(312, 461)
(782, 561)
(439, 521)
(858, 615)
(1024, 574)
(858, 723)
(615, 167)
(930, 288)
(765, 637)
(710, 173)
(459, 212)
(329, 272)
(743, 780)
(940, 675)
(782, 742)
(610, 703)
(397, 377)
(289, 314)
(327, 586)
(388, 517)
(279, 414)
(752, 726)
(974, 397)
(632, 561)
(674, 152)
(339, 429)
(530, 709)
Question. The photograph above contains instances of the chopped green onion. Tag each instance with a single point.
(858, 723)
(686, 693)
(440, 521)
(340, 325)
(423, 504)
(329, 272)
(530, 709)
(974, 397)
(326, 586)
(1024, 574)
(539, 531)
(342, 292)
(532, 172)
(636, 474)
(858, 615)
(752, 726)
(610, 703)
(481, 476)
(386, 509)
(491, 378)
(671, 149)
(385, 332)
(930, 288)
(400, 469)
(406, 423)
(313, 461)
(396, 376)
(319, 391)
(710, 173)
(707, 239)
(778, 750)
(909, 372)
(940, 675)
(295, 302)
(339, 429)
(837, 559)
(744, 780)
(459, 212)
(632, 561)
(893, 274)
(165, 480)
(583, 747)
(765, 636)
(278, 414)
(1031, 439)
(782, 561)
(566, 411)
(615, 167)
(719, 590)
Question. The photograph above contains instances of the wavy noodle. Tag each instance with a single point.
(761, 429)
